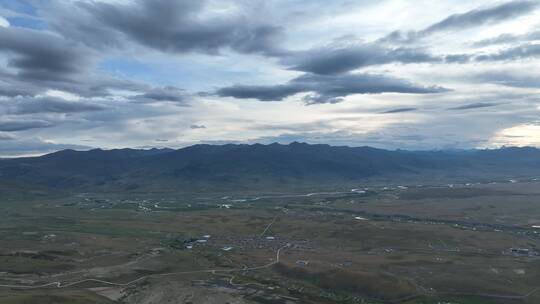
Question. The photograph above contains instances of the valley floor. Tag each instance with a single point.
(473, 243)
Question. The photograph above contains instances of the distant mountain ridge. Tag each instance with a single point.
(232, 166)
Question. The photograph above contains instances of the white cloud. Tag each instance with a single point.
(4, 22)
(63, 95)
(520, 135)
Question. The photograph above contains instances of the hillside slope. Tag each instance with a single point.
(261, 166)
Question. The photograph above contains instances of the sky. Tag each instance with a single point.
(392, 74)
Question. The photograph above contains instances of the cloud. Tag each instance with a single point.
(37, 61)
(458, 58)
(163, 94)
(312, 126)
(6, 136)
(333, 60)
(263, 93)
(22, 125)
(168, 26)
(508, 78)
(476, 105)
(197, 127)
(12, 90)
(478, 17)
(508, 38)
(447, 130)
(527, 134)
(470, 19)
(328, 88)
(135, 66)
(524, 51)
(51, 105)
(340, 59)
(37, 55)
(399, 110)
(4, 22)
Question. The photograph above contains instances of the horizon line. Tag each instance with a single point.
(146, 148)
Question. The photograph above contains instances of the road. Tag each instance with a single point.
(109, 283)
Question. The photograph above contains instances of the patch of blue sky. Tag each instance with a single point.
(195, 75)
(182, 74)
(125, 67)
(132, 69)
(32, 23)
(20, 6)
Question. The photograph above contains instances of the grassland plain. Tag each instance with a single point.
(445, 244)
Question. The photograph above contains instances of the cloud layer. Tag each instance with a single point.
(135, 73)
(329, 88)
(473, 18)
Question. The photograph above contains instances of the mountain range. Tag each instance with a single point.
(257, 166)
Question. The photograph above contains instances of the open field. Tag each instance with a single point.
(446, 244)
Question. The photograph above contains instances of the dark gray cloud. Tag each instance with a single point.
(347, 84)
(37, 61)
(197, 127)
(169, 26)
(7, 90)
(473, 18)
(508, 38)
(179, 26)
(84, 83)
(524, 51)
(260, 92)
(483, 16)
(332, 60)
(399, 110)
(37, 55)
(96, 85)
(501, 39)
(340, 59)
(21, 125)
(162, 94)
(476, 105)
(51, 105)
(328, 88)
(519, 52)
(458, 58)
